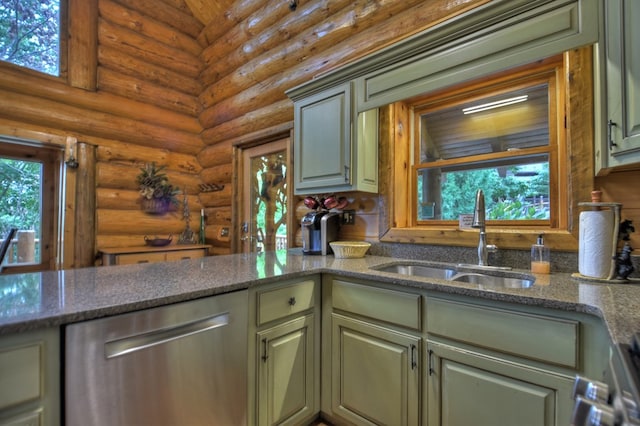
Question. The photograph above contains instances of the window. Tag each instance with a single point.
(412, 215)
(29, 179)
(30, 34)
(500, 137)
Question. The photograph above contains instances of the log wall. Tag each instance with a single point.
(172, 89)
(261, 49)
(144, 107)
(249, 66)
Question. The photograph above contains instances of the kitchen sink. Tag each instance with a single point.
(493, 280)
(442, 273)
(465, 274)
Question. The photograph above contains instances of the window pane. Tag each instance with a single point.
(30, 34)
(514, 188)
(20, 207)
(451, 133)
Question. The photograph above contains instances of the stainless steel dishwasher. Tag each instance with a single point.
(182, 364)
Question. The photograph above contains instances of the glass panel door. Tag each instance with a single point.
(264, 224)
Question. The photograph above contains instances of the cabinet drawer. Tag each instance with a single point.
(128, 259)
(392, 306)
(537, 337)
(20, 375)
(283, 301)
(184, 254)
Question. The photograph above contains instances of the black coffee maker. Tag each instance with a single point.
(319, 228)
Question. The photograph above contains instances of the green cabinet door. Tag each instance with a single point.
(286, 372)
(467, 388)
(30, 378)
(621, 122)
(375, 374)
(322, 142)
(333, 150)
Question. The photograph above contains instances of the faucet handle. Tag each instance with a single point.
(492, 248)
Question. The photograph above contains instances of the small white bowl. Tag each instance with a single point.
(349, 249)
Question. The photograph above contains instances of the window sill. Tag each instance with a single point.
(502, 237)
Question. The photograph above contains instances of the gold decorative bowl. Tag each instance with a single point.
(349, 249)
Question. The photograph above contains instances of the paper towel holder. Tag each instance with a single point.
(595, 204)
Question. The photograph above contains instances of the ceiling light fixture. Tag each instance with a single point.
(495, 104)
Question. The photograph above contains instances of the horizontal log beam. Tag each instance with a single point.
(216, 55)
(236, 13)
(136, 155)
(30, 109)
(217, 174)
(218, 198)
(275, 114)
(139, 90)
(142, 23)
(17, 83)
(140, 46)
(137, 222)
(123, 199)
(119, 176)
(115, 60)
(216, 155)
(178, 18)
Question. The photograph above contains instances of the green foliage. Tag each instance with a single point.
(30, 34)
(20, 196)
(506, 198)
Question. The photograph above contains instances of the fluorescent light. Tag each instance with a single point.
(495, 104)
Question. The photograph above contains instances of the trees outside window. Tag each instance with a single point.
(30, 34)
(29, 182)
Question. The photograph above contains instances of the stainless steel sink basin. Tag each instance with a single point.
(452, 273)
(443, 273)
(493, 280)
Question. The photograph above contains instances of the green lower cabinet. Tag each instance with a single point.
(375, 374)
(468, 388)
(30, 378)
(285, 372)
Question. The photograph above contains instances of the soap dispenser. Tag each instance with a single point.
(540, 257)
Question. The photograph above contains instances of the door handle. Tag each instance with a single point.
(141, 341)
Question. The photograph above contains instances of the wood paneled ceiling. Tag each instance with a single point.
(208, 10)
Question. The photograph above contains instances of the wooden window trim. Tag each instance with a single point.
(51, 158)
(78, 46)
(575, 159)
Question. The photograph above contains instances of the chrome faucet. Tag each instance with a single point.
(479, 222)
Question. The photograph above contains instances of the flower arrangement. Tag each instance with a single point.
(158, 195)
(326, 202)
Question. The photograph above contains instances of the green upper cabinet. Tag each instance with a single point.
(619, 120)
(335, 115)
(331, 152)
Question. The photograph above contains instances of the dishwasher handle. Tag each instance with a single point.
(116, 348)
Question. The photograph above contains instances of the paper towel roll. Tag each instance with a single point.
(596, 243)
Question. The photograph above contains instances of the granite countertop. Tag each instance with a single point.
(37, 300)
